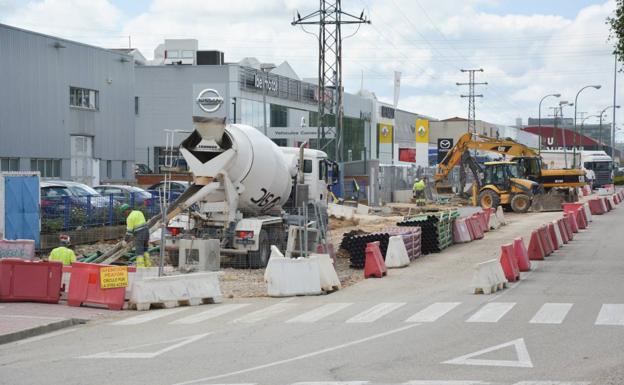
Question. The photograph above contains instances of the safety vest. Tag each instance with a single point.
(135, 222)
(419, 186)
(63, 254)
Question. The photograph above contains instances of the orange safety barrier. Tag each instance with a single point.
(84, 287)
(553, 236)
(572, 220)
(509, 264)
(374, 265)
(581, 219)
(536, 249)
(521, 254)
(563, 231)
(545, 238)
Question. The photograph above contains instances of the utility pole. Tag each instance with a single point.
(330, 17)
(471, 97)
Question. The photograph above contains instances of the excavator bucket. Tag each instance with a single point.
(444, 188)
(548, 201)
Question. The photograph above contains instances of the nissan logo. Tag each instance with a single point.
(209, 100)
(445, 144)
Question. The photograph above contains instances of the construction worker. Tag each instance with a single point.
(419, 191)
(137, 226)
(63, 253)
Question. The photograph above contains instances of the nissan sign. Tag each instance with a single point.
(444, 146)
(209, 100)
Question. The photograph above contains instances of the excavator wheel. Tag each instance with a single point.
(520, 203)
(488, 198)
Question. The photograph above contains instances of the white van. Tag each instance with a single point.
(601, 164)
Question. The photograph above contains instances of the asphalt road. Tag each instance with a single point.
(563, 324)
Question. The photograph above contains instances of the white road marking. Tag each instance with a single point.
(432, 312)
(611, 314)
(523, 361)
(265, 313)
(44, 336)
(552, 383)
(216, 311)
(375, 312)
(149, 316)
(303, 356)
(320, 312)
(332, 383)
(551, 313)
(126, 355)
(442, 382)
(492, 312)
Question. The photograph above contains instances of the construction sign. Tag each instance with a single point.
(113, 276)
(385, 133)
(422, 130)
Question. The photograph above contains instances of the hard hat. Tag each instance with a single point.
(124, 207)
(64, 239)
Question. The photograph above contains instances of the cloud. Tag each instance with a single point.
(523, 56)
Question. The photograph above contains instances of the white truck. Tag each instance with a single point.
(556, 159)
(242, 183)
(601, 164)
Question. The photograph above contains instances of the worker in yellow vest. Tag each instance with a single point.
(418, 191)
(63, 253)
(137, 226)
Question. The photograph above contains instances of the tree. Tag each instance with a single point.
(616, 24)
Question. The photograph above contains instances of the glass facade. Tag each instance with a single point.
(251, 113)
(353, 136)
(279, 116)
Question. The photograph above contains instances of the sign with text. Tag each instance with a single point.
(444, 146)
(113, 276)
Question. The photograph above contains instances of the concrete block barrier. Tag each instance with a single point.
(488, 277)
(341, 211)
(596, 206)
(568, 227)
(573, 222)
(140, 274)
(501, 216)
(521, 254)
(493, 223)
(327, 273)
(475, 221)
(362, 209)
(605, 205)
(286, 277)
(536, 249)
(460, 231)
(396, 256)
(176, 290)
(509, 263)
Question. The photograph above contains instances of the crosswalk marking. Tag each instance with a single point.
(331, 383)
(320, 312)
(552, 383)
(216, 311)
(432, 312)
(375, 312)
(430, 382)
(437, 382)
(265, 313)
(492, 312)
(551, 313)
(149, 316)
(611, 314)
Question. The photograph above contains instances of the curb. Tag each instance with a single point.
(43, 329)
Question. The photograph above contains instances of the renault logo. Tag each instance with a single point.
(209, 100)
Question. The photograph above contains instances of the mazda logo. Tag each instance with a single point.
(445, 144)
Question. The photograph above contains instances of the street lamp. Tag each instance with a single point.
(539, 118)
(600, 129)
(563, 133)
(596, 86)
(266, 68)
(583, 124)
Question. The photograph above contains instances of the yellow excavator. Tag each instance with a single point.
(519, 183)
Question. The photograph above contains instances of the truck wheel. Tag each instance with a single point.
(488, 198)
(520, 203)
(259, 259)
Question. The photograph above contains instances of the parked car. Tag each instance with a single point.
(175, 189)
(142, 168)
(53, 193)
(134, 196)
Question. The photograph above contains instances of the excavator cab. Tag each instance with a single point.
(529, 167)
(503, 184)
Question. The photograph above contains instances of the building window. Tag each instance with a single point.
(48, 168)
(251, 113)
(281, 142)
(124, 165)
(279, 116)
(109, 169)
(186, 54)
(172, 54)
(84, 98)
(136, 105)
(9, 164)
(387, 112)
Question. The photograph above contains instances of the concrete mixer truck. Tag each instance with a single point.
(242, 184)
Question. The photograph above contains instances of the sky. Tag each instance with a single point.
(527, 48)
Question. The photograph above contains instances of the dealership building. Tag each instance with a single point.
(66, 108)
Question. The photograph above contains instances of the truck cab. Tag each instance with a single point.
(601, 164)
(319, 172)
